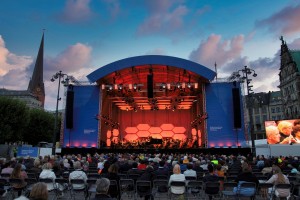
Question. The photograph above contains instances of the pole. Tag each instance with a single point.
(56, 115)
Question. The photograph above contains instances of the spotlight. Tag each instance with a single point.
(189, 85)
(163, 85)
(52, 79)
(254, 75)
(120, 87)
(135, 86)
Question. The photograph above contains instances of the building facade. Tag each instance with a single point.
(289, 77)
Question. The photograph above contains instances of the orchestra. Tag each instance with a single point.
(149, 143)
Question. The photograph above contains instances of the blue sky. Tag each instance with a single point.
(83, 35)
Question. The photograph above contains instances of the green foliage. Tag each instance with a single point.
(14, 115)
(40, 127)
(19, 123)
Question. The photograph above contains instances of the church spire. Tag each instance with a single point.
(36, 84)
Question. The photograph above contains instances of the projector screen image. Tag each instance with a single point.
(283, 131)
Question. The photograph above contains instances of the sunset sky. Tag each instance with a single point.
(84, 35)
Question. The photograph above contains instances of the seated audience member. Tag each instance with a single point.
(279, 178)
(197, 167)
(102, 189)
(246, 176)
(7, 168)
(211, 177)
(48, 173)
(134, 169)
(190, 172)
(273, 136)
(39, 192)
(19, 174)
(162, 170)
(113, 175)
(177, 176)
(148, 175)
(78, 174)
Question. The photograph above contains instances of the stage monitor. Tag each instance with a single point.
(283, 131)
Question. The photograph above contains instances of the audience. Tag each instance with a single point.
(176, 176)
(102, 189)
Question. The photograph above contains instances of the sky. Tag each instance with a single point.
(84, 35)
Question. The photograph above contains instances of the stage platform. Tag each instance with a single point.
(220, 151)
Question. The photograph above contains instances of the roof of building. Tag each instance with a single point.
(296, 57)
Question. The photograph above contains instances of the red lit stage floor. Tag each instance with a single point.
(220, 151)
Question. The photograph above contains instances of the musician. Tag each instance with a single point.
(285, 128)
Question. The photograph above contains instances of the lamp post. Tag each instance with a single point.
(243, 75)
(64, 79)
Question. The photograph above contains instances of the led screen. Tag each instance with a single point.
(283, 131)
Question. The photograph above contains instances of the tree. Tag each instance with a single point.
(14, 115)
(40, 127)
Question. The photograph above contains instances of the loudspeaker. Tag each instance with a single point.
(150, 85)
(69, 109)
(236, 108)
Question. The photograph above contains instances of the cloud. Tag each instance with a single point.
(13, 67)
(163, 18)
(76, 11)
(70, 60)
(284, 22)
(215, 50)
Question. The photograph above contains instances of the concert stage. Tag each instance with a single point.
(212, 151)
(154, 97)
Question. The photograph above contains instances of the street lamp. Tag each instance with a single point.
(64, 79)
(243, 75)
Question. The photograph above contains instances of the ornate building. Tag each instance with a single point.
(34, 96)
(289, 78)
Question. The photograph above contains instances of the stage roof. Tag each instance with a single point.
(174, 78)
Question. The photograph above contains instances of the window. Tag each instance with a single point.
(256, 111)
(273, 110)
(277, 109)
(264, 109)
(264, 118)
(257, 119)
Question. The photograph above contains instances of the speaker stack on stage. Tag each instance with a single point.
(236, 108)
(150, 85)
(69, 109)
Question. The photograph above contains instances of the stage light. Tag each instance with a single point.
(163, 85)
(189, 85)
(135, 86)
(120, 87)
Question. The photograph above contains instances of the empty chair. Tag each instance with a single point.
(62, 187)
(143, 188)
(113, 190)
(212, 189)
(191, 178)
(160, 188)
(127, 187)
(194, 189)
(228, 188)
(122, 176)
(91, 185)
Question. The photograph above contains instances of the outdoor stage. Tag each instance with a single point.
(212, 151)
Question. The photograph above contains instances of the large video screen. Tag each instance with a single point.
(283, 131)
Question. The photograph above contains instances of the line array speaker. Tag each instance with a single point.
(150, 85)
(236, 108)
(69, 109)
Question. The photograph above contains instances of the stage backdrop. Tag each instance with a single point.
(85, 125)
(221, 131)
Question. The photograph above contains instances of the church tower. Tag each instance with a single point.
(36, 84)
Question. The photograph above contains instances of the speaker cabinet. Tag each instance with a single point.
(69, 109)
(236, 108)
(150, 85)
